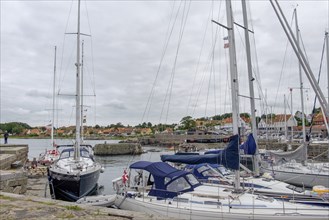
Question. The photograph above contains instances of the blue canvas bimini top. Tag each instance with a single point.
(168, 181)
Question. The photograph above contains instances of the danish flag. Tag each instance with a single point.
(124, 177)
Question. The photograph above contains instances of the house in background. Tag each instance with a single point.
(277, 123)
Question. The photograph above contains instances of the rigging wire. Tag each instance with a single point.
(313, 111)
(198, 63)
(171, 82)
(209, 68)
(256, 70)
(61, 74)
(165, 46)
(63, 46)
(284, 62)
(92, 51)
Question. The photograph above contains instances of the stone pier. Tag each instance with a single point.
(13, 180)
(117, 149)
(10, 154)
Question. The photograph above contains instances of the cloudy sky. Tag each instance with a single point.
(154, 61)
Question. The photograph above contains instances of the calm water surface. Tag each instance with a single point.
(114, 165)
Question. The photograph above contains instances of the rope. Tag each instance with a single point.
(183, 25)
(320, 154)
(283, 64)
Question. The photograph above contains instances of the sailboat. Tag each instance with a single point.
(50, 156)
(160, 189)
(76, 173)
(293, 167)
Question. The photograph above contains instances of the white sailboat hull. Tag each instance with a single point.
(300, 176)
(196, 211)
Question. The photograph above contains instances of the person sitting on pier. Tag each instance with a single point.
(34, 163)
(27, 164)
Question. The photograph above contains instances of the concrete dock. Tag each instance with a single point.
(23, 194)
(13, 206)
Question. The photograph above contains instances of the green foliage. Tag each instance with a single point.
(245, 115)
(316, 110)
(187, 123)
(226, 115)
(268, 116)
(217, 117)
(14, 127)
(145, 125)
(74, 207)
(6, 197)
(202, 119)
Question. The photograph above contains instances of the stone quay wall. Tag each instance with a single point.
(315, 151)
(13, 180)
(117, 149)
(11, 153)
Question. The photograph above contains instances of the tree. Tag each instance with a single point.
(14, 127)
(217, 117)
(119, 125)
(226, 115)
(187, 123)
(245, 115)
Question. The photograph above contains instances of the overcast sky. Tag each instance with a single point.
(154, 61)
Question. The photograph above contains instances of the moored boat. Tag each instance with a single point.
(75, 174)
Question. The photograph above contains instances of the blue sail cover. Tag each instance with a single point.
(249, 147)
(229, 157)
(161, 172)
(213, 151)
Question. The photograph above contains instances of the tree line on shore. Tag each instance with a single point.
(186, 123)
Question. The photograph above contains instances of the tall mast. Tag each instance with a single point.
(53, 109)
(81, 117)
(291, 116)
(327, 44)
(78, 95)
(234, 80)
(305, 65)
(285, 117)
(251, 86)
(301, 81)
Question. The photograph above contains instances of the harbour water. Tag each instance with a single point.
(114, 165)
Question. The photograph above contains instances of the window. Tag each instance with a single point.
(211, 173)
(166, 180)
(178, 185)
(201, 169)
(65, 154)
(84, 153)
(192, 179)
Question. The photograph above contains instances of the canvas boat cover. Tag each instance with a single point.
(165, 175)
(229, 157)
(299, 155)
(249, 147)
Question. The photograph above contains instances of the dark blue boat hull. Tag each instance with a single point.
(70, 187)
